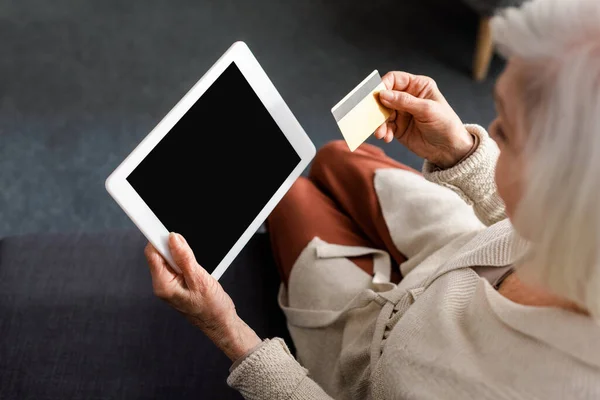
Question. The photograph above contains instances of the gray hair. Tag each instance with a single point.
(561, 203)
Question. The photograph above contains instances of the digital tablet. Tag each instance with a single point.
(217, 164)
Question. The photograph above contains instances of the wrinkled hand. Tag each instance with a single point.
(423, 120)
(198, 296)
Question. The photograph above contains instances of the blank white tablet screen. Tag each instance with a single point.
(212, 174)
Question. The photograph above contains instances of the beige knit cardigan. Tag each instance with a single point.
(443, 332)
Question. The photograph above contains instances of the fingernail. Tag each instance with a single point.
(386, 95)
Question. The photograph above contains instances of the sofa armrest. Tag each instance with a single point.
(489, 7)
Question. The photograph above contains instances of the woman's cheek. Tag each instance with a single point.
(505, 184)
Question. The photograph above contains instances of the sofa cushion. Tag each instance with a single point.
(79, 320)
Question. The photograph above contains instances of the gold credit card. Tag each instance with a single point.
(359, 114)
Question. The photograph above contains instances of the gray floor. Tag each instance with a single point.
(83, 81)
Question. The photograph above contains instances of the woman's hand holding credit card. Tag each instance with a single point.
(409, 108)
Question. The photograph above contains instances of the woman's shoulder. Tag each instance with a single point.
(461, 334)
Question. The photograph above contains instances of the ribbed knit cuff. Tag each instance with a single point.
(242, 358)
(473, 178)
(270, 372)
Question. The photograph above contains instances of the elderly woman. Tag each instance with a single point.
(497, 294)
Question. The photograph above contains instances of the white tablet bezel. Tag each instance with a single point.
(139, 212)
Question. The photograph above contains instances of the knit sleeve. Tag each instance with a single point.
(473, 178)
(271, 372)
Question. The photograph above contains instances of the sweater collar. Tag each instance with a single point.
(571, 333)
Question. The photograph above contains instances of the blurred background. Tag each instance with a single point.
(83, 81)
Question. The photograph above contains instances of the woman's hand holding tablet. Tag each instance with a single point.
(198, 296)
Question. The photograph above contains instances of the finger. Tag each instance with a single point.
(396, 80)
(165, 282)
(389, 135)
(158, 266)
(393, 116)
(416, 85)
(405, 102)
(381, 131)
(183, 256)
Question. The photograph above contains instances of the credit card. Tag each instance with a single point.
(360, 113)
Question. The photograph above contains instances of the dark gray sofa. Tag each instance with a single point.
(78, 320)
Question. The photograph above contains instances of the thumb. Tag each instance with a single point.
(183, 256)
(402, 101)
